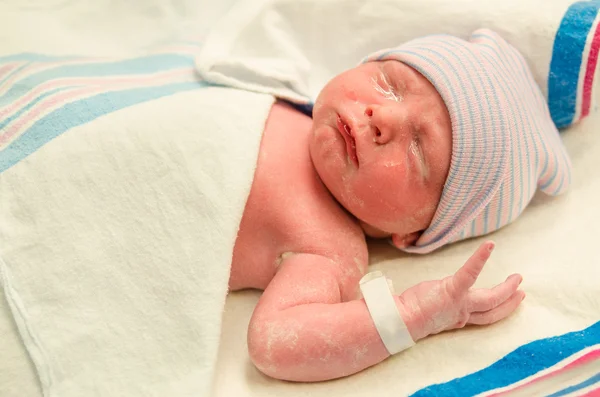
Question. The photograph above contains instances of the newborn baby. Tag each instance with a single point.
(438, 140)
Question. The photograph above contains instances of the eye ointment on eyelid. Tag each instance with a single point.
(385, 88)
(417, 151)
(377, 292)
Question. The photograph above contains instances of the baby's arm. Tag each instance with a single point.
(306, 329)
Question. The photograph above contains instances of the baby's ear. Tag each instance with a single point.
(405, 240)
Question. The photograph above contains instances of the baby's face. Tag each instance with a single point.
(382, 143)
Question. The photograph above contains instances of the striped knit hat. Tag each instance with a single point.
(505, 144)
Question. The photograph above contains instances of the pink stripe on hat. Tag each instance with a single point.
(505, 145)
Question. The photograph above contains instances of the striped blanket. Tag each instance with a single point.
(566, 365)
(41, 97)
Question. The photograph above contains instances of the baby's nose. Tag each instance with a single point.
(387, 122)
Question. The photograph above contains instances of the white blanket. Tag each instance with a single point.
(116, 241)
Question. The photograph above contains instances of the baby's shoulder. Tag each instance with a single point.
(288, 203)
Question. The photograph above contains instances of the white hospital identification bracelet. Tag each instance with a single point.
(376, 291)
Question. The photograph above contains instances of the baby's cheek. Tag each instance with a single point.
(353, 197)
(378, 204)
(384, 184)
(390, 201)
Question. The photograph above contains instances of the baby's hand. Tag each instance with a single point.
(442, 305)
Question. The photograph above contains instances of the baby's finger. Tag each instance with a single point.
(466, 276)
(482, 300)
(499, 312)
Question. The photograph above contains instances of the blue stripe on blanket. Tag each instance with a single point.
(102, 68)
(28, 56)
(588, 382)
(523, 362)
(81, 112)
(38, 104)
(567, 57)
(14, 72)
(28, 106)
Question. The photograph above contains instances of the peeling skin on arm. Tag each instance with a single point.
(306, 326)
(317, 332)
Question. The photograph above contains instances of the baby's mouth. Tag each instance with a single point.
(346, 132)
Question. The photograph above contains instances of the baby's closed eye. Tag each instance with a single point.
(383, 85)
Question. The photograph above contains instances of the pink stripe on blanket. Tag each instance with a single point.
(33, 69)
(182, 49)
(590, 72)
(9, 67)
(588, 357)
(75, 82)
(63, 97)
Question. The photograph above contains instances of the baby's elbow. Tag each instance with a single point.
(272, 350)
(263, 359)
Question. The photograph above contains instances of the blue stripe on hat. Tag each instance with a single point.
(487, 209)
(539, 130)
(517, 99)
(549, 150)
(492, 120)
